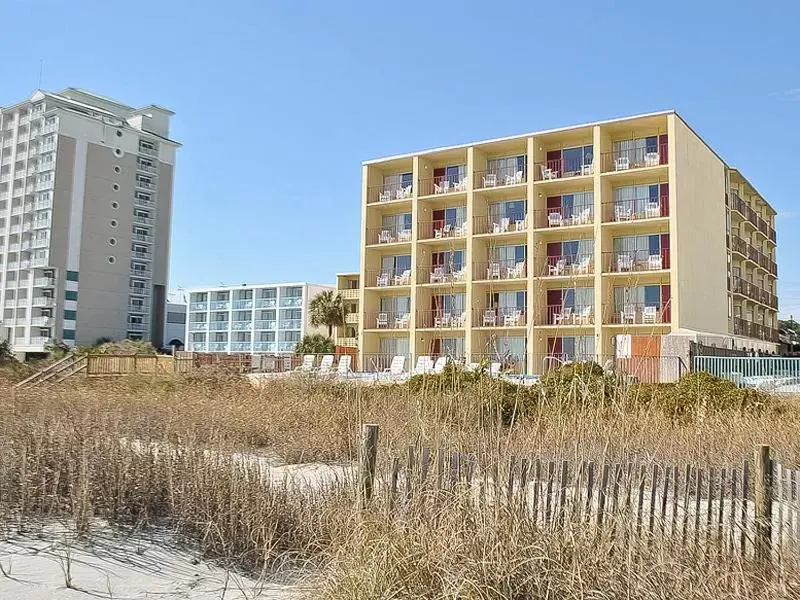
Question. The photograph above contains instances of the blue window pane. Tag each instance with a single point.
(568, 346)
(654, 244)
(519, 253)
(406, 179)
(652, 295)
(568, 297)
(521, 162)
(567, 204)
(588, 155)
(651, 144)
(653, 193)
(570, 250)
(521, 301)
(572, 159)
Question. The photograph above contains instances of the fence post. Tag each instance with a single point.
(763, 506)
(366, 465)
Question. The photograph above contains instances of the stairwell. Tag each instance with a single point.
(68, 366)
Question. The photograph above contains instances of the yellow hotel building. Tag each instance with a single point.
(628, 237)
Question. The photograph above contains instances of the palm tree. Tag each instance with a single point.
(326, 310)
(315, 343)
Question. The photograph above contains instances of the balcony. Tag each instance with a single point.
(266, 302)
(559, 315)
(41, 223)
(635, 158)
(137, 307)
(752, 217)
(387, 320)
(291, 301)
(15, 229)
(503, 316)
(144, 202)
(500, 270)
(349, 294)
(42, 321)
(553, 218)
(755, 330)
(195, 306)
(38, 262)
(636, 210)
(43, 301)
(145, 185)
(442, 230)
(500, 177)
(497, 225)
(241, 346)
(14, 247)
(640, 314)
(40, 341)
(389, 278)
(220, 304)
(290, 323)
(440, 319)
(44, 282)
(347, 342)
(197, 346)
(286, 346)
(753, 254)
(265, 347)
(443, 184)
(635, 261)
(389, 192)
(218, 325)
(147, 150)
(265, 324)
(752, 291)
(136, 326)
(218, 346)
(142, 220)
(242, 304)
(141, 271)
(351, 318)
(146, 168)
(198, 325)
(561, 168)
(141, 237)
(565, 265)
(39, 242)
(442, 274)
(242, 325)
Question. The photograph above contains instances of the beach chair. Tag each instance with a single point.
(307, 366)
(343, 369)
(325, 365)
(439, 365)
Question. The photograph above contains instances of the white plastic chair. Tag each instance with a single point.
(382, 280)
(397, 368)
(517, 271)
(563, 317)
(404, 235)
(424, 365)
(385, 196)
(629, 313)
(490, 180)
(439, 365)
(649, 314)
(441, 320)
(548, 173)
(582, 266)
(519, 225)
(555, 219)
(654, 262)
(437, 275)
(461, 186)
(444, 231)
(624, 262)
(623, 213)
(585, 316)
(401, 321)
(325, 365)
(494, 369)
(493, 272)
(652, 210)
(622, 163)
(490, 318)
(558, 268)
(307, 366)
(651, 159)
(385, 237)
(460, 274)
(404, 278)
(583, 217)
(343, 369)
(382, 320)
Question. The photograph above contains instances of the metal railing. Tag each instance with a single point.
(510, 363)
(447, 273)
(753, 254)
(501, 316)
(752, 216)
(291, 301)
(218, 325)
(635, 261)
(389, 278)
(636, 313)
(146, 150)
(565, 265)
(580, 214)
(748, 328)
(636, 209)
(754, 292)
(220, 304)
(242, 304)
(558, 314)
(145, 185)
(265, 346)
(193, 306)
(775, 374)
(388, 192)
(635, 158)
(261, 324)
(500, 177)
(560, 168)
(198, 325)
(497, 224)
(387, 320)
(441, 319)
(391, 235)
(266, 302)
(500, 270)
(439, 229)
(242, 325)
(443, 184)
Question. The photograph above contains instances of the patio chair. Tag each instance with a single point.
(563, 317)
(502, 226)
(404, 235)
(385, 237)
(494, 369)
(652, 210)
(514, 179)
(437, 275)
(404, 278)
(424, 365)
(628, 314)
(325, 365)
(343, 369)
(439, 365)
(624, 262)
(406, 191)
(385, 196)
(623, 213)
(519, 225)
(443, 232)
(622, 163)
(548, 173)
(511, 319)
(651, 159)
(650, 314)
(585, 316)
(382, 280)
(558, 268)
(397, 368)
(460, 230)
(438, 189)
(555, 219)
(582, 266)
(587, 169)
(382, 320)
(401, 321)
(441, 320)
(307, 366)
(489, 317)
(654, 262)
(461, 186)
(459, 320)
(583, 217)
(490, 180)
(493, 271)
(517, 271)
(460, 274)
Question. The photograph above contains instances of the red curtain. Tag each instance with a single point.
(664, 197)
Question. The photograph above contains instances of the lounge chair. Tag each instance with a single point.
(307, 366)
(343, 369)
(439, 365)
(494, 369)
(397, 368)
(424, 365)
(325, 365)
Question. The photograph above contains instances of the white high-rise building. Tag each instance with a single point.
(85, 211)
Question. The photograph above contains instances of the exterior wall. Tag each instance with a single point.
(102, 285)
(63, 234)
(700, 245)
(173, 330)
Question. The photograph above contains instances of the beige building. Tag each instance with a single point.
(621, 238)
(348, 286)
(85, 211)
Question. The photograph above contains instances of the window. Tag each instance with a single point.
(450, 261)
(510, 301)
(454, 216)
(640, 296)
(69, 334)
(69, 315)
(573, 159)
(508, 255)
(449, 303)
(72, 276)
(396, 264)
(579, 347)
(514, 210)
(289, 336)
(639, 198)
(571, 205)
(143, 196)
(397, 181)
(70, 295)
(396, 304)
(396, 223)
(394, 346)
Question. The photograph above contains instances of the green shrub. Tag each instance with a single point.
(579, 383)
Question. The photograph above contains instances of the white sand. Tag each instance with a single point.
(111, 565)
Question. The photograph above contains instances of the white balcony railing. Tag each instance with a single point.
(139, 255)
(139, 290)
(148, 151)
(141, 237)
(43, 301)
(42, 321)
(44, 282)
(39, 341)
(145, 185)
(142, 220)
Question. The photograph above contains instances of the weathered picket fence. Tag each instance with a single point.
(751, 509)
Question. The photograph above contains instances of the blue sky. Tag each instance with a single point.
(279, 102)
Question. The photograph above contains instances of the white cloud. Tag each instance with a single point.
(791, 95)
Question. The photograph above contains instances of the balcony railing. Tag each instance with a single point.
(241, 346)
(262, 324)
(443, 184)
(564, 217)
(289, 301)
(559, 314)
(501, 224)
(387, 320)
(635, 261)
(142, 237)
(441, 319)
(142, 220)
(347, 342)
(242, 325)
(752, 216)
(435, 230)
(501, 316)
(137, 307)
(501, 177)
(636, 209)
(387, 236)
(565, 265)
(639, 314)
(500, 269)
(388, 192)
(389, 277)
(43, 301)
(140, 255)
(290, 323)
(43, 321)
(218, 325)
(560, 168)
(753, 254)
(195, 306)
(145, 202)
(44, 282)
(136, 326)
(218, 346)
(635, 158)
(265, 346)
(145, 185)
(198, 325)
(266, 302)
(148, 151)
(754, 292)
(40, 341)
(752, 329)
(349, 294)
(286, 346)
(456, 273)
(242, 304)
(146, 168)
(351, 318)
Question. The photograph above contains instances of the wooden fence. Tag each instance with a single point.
(751, 509)
(134, 364)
